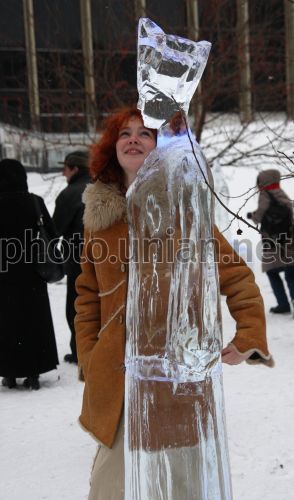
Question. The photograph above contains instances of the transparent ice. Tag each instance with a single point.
(175, 437)
(222, 217)
(169, 70)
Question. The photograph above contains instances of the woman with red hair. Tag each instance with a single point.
(105, 163)
(102, 292)
(102, 296)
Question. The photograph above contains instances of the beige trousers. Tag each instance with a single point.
(108, 475)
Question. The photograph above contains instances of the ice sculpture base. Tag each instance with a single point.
(165, 370)
(178, 447)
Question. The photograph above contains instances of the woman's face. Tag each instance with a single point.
(132, 147)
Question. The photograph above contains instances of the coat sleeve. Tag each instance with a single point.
(67, 203)
(263, 205)
(48, 222)
(87, 304)
(244, 301)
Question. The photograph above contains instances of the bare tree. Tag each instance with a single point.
(114, 23)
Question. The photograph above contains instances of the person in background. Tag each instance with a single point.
(102, 297)
(274, 260)
(68, 219)
(27, 339)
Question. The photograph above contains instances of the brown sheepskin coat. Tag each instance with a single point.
(101, 308)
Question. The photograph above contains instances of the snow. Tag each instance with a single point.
(44, 454)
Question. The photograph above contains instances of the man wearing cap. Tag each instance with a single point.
(68, 219)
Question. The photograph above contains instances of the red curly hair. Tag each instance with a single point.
(103, 160)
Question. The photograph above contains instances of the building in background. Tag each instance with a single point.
(64, 64)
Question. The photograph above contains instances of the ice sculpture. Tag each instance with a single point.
(222, 216)
(175, 439)
(221, 187)
(169, 70)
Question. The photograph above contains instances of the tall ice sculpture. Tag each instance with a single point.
(175, 437)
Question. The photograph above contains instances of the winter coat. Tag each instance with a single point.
(27, 340)
(68, 215)
(101, 308)
(268, 180)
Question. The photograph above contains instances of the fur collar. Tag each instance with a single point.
(105, 205)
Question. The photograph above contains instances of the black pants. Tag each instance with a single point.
(73, 272)
(278, 285)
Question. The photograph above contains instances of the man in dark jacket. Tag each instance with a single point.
(68, 219)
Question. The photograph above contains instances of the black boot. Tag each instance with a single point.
(280, 309)
(70, 358)
(32, 382)
(9, 382)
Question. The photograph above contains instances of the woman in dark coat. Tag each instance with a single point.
(27, 340)
(274, 259)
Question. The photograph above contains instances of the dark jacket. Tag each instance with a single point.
(27, 340)
(266, 180)
(68, 215)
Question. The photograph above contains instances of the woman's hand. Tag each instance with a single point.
(232, 356)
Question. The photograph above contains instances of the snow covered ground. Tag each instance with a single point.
(45, 455)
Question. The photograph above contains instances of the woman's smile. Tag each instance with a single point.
(133, 151)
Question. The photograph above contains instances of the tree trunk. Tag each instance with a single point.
(31, 57)
(245, 97)
(289, 25)
(87, 44)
